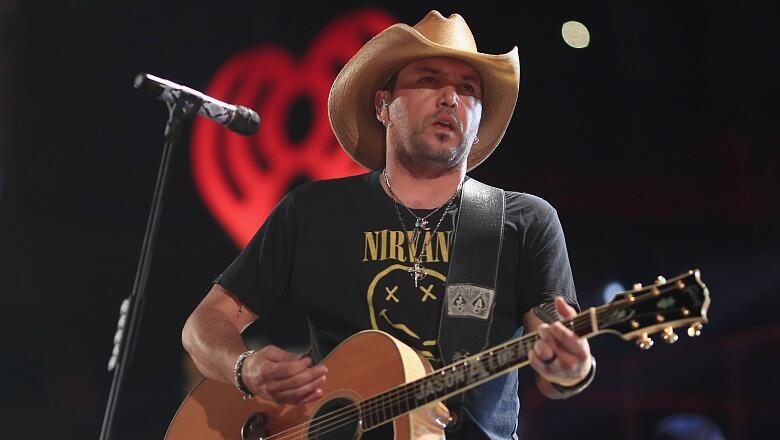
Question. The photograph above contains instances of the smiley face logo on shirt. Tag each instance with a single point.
(394, 304)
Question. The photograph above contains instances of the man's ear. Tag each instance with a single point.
(381, 102)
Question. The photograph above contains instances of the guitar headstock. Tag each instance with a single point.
(661, 306)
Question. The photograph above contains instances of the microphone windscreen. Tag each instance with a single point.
(245, 121)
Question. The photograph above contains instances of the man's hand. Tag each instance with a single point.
(212, 336)
(559, 355)
(283, 377)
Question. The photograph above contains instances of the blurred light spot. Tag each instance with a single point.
(689, 426)
(611, 289)
(575, 34)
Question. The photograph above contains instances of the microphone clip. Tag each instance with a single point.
(184, 107)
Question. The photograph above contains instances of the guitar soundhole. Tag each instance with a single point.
(254, 428)
(337, 419)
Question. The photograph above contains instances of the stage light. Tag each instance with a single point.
(611, 289)
(575, 34)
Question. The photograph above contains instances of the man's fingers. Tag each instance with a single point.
(559, 354)
(544, 347)
(564, 309)
(543, 350)
(297, 395)
(536, 363)
(560, 370)
(561, 347)
(300, 380)
(276, 354)
(317, 394)
(259, 371)
(276, 371)
(568, 340)
(283, 377)
(565, 361)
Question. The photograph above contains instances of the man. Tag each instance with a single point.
(420, 106)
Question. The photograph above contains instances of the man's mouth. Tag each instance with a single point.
(446, 122)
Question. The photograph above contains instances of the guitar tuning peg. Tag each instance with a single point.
(695, 329)
(660, 280)
(669, 336)
(644, 342)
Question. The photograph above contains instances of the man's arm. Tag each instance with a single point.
(559, 355)
(212, 337)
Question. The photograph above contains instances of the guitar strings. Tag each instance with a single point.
(344, 416)
(578, 323)
(350, 414)
(383, 401)
(524, 342)
(331, 421)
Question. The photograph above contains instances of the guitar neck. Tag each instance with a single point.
(463, 375)
(664, 305)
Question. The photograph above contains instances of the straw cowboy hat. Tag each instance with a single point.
(351, 101)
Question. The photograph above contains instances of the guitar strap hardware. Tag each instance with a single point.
(470, 291)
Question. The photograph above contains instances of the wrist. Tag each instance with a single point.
(238, 377)
(579, 386)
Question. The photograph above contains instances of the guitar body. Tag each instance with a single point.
(366, 364)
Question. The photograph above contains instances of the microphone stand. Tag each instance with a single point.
(131, 310)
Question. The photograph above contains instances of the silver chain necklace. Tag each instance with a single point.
(418, 271)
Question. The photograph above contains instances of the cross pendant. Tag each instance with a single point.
(417, 273)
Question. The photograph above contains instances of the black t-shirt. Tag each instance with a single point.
(338, 250)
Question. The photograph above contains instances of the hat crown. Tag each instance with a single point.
(451, 31)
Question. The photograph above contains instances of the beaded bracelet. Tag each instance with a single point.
(237, 374)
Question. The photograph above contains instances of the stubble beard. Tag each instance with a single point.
(423, 160)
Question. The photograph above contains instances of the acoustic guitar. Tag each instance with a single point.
(377, 382)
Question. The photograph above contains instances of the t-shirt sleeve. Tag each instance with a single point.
(260, 276)
(545, 270)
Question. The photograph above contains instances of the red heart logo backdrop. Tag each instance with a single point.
(240, 178)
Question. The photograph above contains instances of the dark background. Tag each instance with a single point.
(657, 144)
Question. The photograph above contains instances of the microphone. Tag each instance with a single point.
(235, 117)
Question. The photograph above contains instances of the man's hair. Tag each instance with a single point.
(390, 84)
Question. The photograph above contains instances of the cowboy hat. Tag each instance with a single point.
(351, 100)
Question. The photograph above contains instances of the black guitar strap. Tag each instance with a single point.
(470, 291)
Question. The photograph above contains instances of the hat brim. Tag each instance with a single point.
(351, 100)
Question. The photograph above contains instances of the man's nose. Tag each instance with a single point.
(449, 97)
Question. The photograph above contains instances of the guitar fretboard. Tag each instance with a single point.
(457, 377)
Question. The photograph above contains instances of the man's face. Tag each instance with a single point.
(434, 114)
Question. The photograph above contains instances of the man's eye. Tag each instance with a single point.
(468, 88)
(426, 80)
